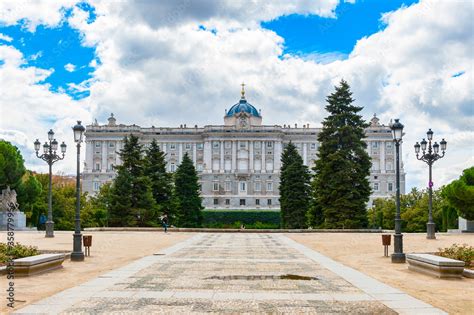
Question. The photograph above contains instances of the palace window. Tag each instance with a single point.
(216, 201)
(172, 146)
(257, 202)
(188, 146)
(258, 186)
(172, 167)
(228, 186)
(97, 166)
(313, 146)
(243, 186)
(376, 186)
(242, 202)
(375, 144)
(269, 186)
(96, 186)
(390, 186)
(199, 146)
(269, 202)
(257, 145)
(243, 144)
(228, 144)
(97, 144)
(215, 186)
(215, 144)
(227, 202)
(111, 145)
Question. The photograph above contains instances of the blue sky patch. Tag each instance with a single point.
(458, 74)
(56, 48)
(320, 37)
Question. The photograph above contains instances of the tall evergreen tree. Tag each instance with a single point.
(161, 181)
(340, 186)
(131, 197)
(186, 196)
(294, 189)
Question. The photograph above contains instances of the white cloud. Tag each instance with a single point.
(70, 67)
(158, 68)
(5, 37)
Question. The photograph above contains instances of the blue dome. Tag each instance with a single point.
(242, 106)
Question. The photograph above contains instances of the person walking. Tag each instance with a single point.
(164, 221)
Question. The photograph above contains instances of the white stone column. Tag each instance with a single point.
(221, 163)
(89, 155)
(251, 156)
(180, 153)
(264, 162)
(234, 155)
(104, 156)
(305, 153)
(194, 155)
(277, 155)
(382, 157)
(208, 156)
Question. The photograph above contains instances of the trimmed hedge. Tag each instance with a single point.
(259, 219)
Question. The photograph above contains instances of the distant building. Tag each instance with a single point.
(238, 162)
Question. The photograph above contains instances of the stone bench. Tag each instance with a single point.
(32, 265)
(434, 265)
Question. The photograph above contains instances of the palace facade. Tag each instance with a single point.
(239, 162)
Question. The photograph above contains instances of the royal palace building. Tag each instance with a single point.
(239, 162)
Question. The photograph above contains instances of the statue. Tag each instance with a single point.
(8, 204)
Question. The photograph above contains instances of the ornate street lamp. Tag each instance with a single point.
(430, 156)
(77, 253)
(398, 256)
(49, 156)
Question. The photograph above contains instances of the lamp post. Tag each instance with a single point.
(430, 156)
(77, 254)
(49, 156)
(398, 256)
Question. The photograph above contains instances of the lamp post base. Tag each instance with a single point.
(79, 256)
(77, 253)
(398, 258)
(430, 231)
(49, 225)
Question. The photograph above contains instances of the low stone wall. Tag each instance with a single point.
(208, 230)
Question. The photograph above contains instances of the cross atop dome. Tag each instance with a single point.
(243, 91)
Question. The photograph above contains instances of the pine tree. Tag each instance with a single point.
(294, 189)
(161, 184)
(132, 200)
(340, 186)
(188, 202)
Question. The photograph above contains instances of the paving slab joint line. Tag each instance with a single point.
(408, 303)
(39, 308)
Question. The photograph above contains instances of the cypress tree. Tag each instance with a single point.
(294, 189)
(161, 184)
(188, 202)
(340, 186)
(131, 194)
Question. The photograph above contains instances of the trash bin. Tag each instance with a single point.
(386, 240)
(87, 240)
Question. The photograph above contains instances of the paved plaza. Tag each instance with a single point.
(233, 273)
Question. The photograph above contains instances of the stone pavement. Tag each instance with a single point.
(233, 273)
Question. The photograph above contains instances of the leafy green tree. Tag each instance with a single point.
(340, 186)
(28, 193)
(161, 181)
(12, 166)
(186, 195)
(100, 204)
(460, 194)
(294, 189)
(131, 201)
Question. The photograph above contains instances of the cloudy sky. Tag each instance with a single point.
(182, 61)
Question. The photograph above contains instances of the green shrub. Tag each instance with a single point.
(17, 251)
(462, 252)
(252, 219)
